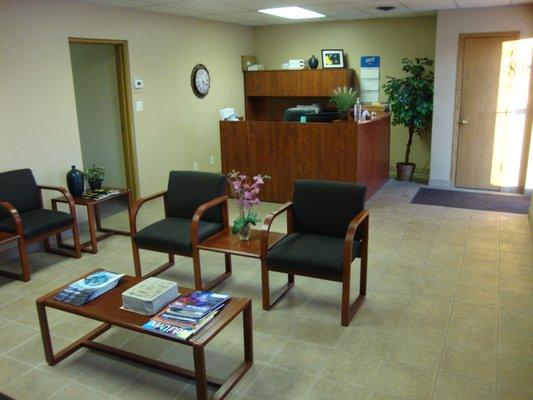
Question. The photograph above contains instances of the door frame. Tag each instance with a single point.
(459, 87)
(126, 108)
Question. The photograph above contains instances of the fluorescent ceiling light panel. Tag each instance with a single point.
(292, 13)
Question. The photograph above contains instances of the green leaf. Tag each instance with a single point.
(411, 97)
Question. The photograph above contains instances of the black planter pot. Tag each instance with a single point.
(75, 182)
(95, 184)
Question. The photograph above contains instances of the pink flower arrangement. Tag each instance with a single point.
(246, 192)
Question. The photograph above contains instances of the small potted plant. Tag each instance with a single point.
(411, 103)
(246, 191)
(344, 98)
(94, 175)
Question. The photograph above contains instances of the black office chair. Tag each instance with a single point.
(195, 209)
(23, 218)
(327, 228)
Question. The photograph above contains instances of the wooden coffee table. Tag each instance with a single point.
(106, 309)
(228, 243)
(94, 220)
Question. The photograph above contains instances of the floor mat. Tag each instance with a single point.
(472, 201)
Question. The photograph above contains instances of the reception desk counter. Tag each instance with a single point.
(287, 151)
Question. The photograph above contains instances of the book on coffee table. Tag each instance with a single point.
(149, 296)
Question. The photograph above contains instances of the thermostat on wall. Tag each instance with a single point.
(138, 83)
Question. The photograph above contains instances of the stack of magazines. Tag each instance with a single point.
(101, 193)
(89, 288)
(187, 315)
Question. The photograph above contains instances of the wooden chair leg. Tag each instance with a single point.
(46, 243)
(345, 301)
(77, 242)
(197, 270)
(363, 273)
(348, 311)
(24, 260)
(227, 260)
(136, 259)
(265, 286)
(199, 285)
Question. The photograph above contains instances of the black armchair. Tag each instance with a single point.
(195, 209)
(23, 217)
(327, 228)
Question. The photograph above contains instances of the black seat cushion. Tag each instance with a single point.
(326, 207)
(318, 254)
(37, 222)
(173, 234)
(187, 190)
(19, 189)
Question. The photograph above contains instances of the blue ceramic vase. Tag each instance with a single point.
(313, 62)
(75, 182)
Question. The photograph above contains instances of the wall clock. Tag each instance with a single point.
(200, 81)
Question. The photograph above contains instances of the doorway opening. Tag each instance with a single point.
(101, 77)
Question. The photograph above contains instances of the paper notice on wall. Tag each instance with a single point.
(370, 79)
(369, 72)
(369, 84)
(369, 96)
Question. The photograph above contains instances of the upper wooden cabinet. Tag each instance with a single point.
(296, 83)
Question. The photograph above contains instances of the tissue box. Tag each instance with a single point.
(149, 296)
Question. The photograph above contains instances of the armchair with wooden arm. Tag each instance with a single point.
(22, 214)
(195, 209)
(323, 238)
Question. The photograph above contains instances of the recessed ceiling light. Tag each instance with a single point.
(385, 8)
(292, 12)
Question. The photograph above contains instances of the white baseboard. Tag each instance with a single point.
(441, 183)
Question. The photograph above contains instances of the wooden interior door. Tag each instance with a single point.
(478, 80)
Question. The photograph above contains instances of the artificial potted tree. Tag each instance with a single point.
(411, 104)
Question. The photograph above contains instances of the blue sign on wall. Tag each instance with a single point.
(370, 61)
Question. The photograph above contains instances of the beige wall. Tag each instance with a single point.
(449, 25)
(37, 104)
(392, 39)
(531, 213)
(94, 71)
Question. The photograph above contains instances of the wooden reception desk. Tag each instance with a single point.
(340, 151)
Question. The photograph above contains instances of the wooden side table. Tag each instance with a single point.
(106, 309)
(228, 243)
(94, 220)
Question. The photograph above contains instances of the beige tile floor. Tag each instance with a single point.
(449, 315)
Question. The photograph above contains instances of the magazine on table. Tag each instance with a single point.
(99, 194)
(89, 288)
(187, 315)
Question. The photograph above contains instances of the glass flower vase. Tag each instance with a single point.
(244, 233)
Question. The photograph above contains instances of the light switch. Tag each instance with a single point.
(139, 105)
(138, 84)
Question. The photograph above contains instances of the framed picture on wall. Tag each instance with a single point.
(332, 58)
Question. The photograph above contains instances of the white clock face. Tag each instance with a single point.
(202, 81)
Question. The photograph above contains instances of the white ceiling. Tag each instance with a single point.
(244, 12)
